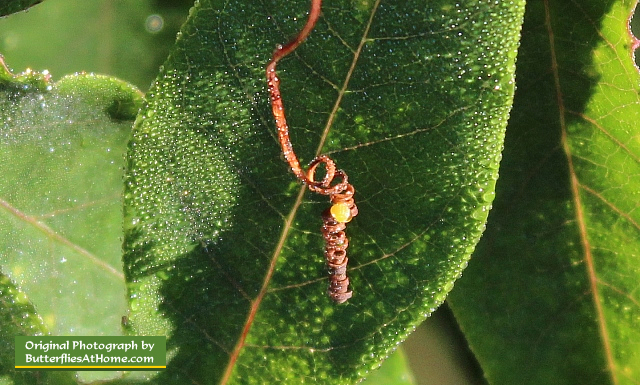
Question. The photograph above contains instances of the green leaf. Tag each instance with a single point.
(18, 317)
(128, 39)
(60, 196)
(438, 353)
(223, 251)
(551, 295)
(394, 370)
(8, 7)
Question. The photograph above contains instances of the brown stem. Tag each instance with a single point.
(274, 89)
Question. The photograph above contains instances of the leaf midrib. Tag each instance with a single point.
(255, 304)
(575, 192)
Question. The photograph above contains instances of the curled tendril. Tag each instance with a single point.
(343, 207)
(324, 187)
(336, 243)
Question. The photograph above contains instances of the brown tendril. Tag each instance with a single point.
(341, 193)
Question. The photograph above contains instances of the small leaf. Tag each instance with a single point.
(60, 196)
(127, 39)
(18, 318)
(395, 370)
(223, 251)
(8, 7)
(551, 294)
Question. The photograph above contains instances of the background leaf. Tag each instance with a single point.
(222, 246)
(438, 353)
(60, 197)
(551, 293)
(128, 39)
(18, 317)
(394, 371)
(11, 6)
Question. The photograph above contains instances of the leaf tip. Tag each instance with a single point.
(635, 42)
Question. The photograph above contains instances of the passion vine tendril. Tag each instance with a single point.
(340, 193)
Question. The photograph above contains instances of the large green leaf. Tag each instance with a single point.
(61, 163)
(551, 293)
(223, 252)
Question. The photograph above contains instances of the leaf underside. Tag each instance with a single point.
(61, 163)
(551, 293)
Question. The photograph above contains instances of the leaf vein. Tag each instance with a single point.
(49, 232)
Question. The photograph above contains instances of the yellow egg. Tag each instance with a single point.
(341, 212)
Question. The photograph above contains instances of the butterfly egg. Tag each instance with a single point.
(341, 212)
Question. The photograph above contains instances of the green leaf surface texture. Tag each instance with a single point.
(62, 162)
(8, 7)
(551, 293)
(223, 250)
(19, 318)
